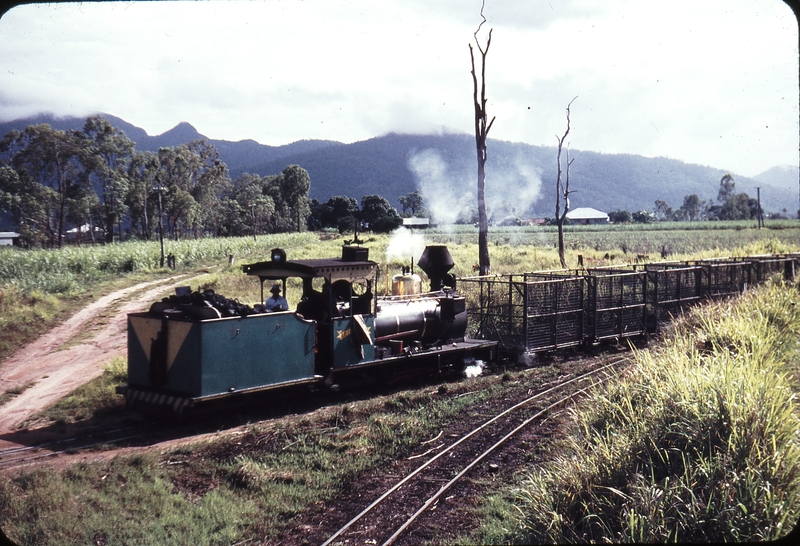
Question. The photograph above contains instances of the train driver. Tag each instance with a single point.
(276, 302)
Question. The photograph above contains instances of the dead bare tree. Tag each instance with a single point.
(562, 190)
(481, 131)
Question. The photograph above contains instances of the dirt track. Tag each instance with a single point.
(57, 367)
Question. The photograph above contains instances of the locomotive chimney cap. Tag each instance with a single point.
(436, 260)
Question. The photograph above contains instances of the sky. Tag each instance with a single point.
(712, 82)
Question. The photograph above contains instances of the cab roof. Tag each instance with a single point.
(332, 269)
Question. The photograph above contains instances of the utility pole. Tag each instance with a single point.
(253, 214)
(758, 211)
(160, 224)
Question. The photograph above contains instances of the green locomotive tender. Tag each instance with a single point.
(182, 354)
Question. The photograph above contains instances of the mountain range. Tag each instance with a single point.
(520, 177)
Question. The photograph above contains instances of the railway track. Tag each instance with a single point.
(20, 456)
(383, 523)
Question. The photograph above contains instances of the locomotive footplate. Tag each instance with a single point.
(138, 397)
(446, 357)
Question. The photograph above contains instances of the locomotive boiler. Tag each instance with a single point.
(193, 348)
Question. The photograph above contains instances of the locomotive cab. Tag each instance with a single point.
(337, 295)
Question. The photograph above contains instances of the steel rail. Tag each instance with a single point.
(482, 456)
(430, 461)
(4, 452)
(25, 459)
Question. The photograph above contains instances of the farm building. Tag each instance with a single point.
(82, 231)
(8, 238)
(416, 222)
(586, 216)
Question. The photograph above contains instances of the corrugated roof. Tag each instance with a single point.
(586, 213)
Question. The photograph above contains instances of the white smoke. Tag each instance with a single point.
(405, 245)
(474, 367)
(445, 195)
(511, 187)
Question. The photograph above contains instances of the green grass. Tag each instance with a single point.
(92, 399)
(67, 270)
(218, 493)
(248, 484)
(678, 240)
(13, 392)
(699, 442)
(40, 288)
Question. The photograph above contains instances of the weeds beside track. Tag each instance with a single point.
(381, 512)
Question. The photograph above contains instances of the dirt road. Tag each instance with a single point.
(56, 367)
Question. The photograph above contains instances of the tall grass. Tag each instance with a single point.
(69, 269)
(699, 442)
(628, 241)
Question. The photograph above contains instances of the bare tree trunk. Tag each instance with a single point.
(562, 190)
(481, 131)
(91, 225)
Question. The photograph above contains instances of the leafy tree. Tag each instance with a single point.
(727, 188)
(52, 159)
(315, 209)
(295, 184)
(620, 217)
(739, 206)
(643, 217)
(380, 216)
(142, 197)
(663, 211)
(27, 202)
(248, 207)
(289, 192)
(691, 207)
(174, 180)
(192, 177)
(338, 212)
(81, 202)
(413, 204)
(209, 179)
(106, 158)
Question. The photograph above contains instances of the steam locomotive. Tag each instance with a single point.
(194, 348)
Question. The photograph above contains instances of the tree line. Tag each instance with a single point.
(94, 183)
(730, 205)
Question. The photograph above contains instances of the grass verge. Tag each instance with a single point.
(13, 392)
(247, 485)
(92, 399)
(698, 443)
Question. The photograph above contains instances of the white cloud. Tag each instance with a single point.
(706, 81)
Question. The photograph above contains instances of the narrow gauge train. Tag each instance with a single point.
(184, 351)
(538, 312)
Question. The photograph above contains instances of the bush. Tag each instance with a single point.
(699, 442)
(620, 217)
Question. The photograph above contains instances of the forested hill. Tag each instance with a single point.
(236, 155)
(520, 177)
(443, 168)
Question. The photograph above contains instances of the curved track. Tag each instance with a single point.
(428, 481)
(15, 457)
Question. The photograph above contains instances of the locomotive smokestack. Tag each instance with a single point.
(436, 261)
